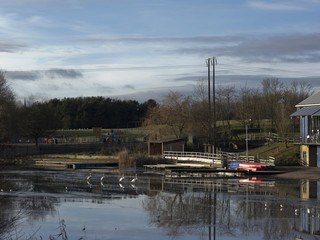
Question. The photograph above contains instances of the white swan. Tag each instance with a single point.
(134, 179)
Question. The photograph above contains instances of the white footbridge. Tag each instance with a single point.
(210, 159)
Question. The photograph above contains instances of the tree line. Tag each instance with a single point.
(177, 115)
(88, 112)
(41, 119)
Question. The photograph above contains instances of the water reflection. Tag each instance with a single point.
(158, 206)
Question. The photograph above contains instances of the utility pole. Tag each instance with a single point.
(208, 61)
(214, 62)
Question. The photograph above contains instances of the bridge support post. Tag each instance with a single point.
(209, 148)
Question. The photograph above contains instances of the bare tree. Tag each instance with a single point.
(291, 95)
(249, 106)
(272, 89)
(226, 97)
(7, 109)
(171, 117)
(225, 110)
(296, 92)
(40, 121)
(199, 110)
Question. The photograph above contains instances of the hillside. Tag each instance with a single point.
(285, 155)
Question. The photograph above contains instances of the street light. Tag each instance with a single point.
(247, 121)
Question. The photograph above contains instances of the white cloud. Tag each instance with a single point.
(110, 50)
(7, 23)
(39, 21)
(277, 6)
(37, 3)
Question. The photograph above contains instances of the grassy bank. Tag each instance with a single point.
(285, 155)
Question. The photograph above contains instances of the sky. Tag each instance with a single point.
(142, 49)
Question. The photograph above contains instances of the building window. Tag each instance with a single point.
(313, 135)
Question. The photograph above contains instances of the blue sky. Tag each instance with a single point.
(141, 49)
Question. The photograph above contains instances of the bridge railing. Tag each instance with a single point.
(207, 158)
(221, 159)
(200, 155)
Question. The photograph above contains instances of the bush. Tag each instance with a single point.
(125, 161)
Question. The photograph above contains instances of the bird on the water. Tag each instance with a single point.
(102, 178)
(89, 177)
(121, 186)
(122, 178)
(134, 179)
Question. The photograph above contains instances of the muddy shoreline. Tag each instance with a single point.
(290, 172)
(299, 172)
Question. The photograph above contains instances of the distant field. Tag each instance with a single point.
(89, 133)
(239, 124)
(236, 126)
(75, 133)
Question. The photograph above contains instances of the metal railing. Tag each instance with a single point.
(208, 158)
(221, 159)
(200, 155)
(269, 160)
(236, 157)
(313, 139)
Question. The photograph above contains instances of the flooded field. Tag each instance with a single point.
(65, 205)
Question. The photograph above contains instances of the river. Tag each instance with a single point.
(37, 204)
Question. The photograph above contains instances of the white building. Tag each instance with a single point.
(309, 113)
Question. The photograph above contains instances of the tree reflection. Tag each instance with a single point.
(15, 210)
(10, 221)
(212, 210)
(211, 213)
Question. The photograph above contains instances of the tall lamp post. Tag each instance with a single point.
(247, 139)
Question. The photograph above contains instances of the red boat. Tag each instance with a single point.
(251, 180)
(252, 166)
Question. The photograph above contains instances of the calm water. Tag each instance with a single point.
(37, 204)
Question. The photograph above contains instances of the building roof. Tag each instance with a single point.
(313, 100)
(307, 111)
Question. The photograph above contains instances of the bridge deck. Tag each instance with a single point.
(212, 159)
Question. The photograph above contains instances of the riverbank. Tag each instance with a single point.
(299, 172)
(290, 172)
